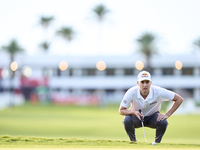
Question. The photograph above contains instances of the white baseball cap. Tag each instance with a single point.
(144, 75)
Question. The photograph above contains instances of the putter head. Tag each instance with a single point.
(140, 116)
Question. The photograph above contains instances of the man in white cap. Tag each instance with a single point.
(148, 98)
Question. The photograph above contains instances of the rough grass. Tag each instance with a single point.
(36, 142)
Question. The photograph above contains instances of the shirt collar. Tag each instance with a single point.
(149, 96)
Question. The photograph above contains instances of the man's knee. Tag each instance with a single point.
(127, 121)
(163, 123)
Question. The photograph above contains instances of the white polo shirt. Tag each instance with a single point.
(151, 104)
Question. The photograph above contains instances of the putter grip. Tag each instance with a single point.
(140, 113)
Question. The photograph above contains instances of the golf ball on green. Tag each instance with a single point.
(153, 143)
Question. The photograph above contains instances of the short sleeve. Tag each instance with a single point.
(127, 99)
(166, 95)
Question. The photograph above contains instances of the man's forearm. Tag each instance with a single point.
(177, 102)
(126, 112)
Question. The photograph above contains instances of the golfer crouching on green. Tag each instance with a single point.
(148, 98)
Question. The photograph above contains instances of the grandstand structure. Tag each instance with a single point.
(83, 78)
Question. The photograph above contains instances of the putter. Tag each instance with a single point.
(142, 125)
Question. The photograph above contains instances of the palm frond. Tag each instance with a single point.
(45, 45)
(147, 43)
(100, 11)
(66, 32)
(46, 21)
(197, 43)
(13, 47)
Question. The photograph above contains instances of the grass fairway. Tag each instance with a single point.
(74, 127)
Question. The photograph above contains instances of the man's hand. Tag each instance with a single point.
(139, 115)
(125, 111)
(177, 102)
(162, 117)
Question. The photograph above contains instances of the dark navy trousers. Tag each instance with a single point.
(131, 122)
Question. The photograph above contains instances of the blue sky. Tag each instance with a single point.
(175, 22)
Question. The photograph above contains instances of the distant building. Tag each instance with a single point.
(83, 78)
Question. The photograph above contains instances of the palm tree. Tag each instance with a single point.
(147, 47)
(12, 48)
(45, 45)
(197, 43)
(100, 12)
(66, 33)
(45, 22)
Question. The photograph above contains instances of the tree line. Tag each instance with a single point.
(146, 41)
